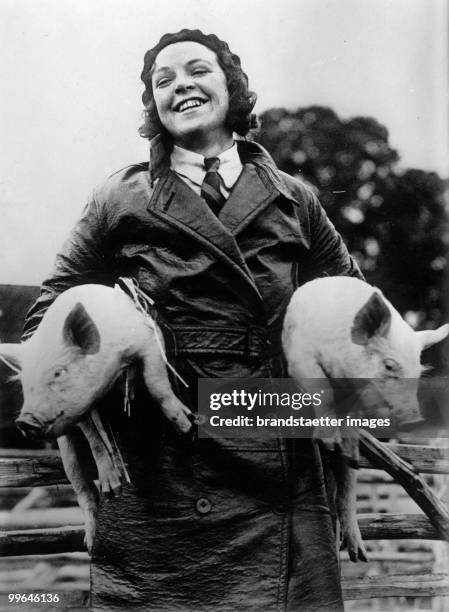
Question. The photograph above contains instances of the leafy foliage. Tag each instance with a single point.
(393, 222)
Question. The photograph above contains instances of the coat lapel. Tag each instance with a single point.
(248, 198)
(175, 203)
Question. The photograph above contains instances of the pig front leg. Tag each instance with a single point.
(85, 489)
(159, 387)
(346, 503)
(108, 473)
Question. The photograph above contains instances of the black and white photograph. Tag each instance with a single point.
(224, 305)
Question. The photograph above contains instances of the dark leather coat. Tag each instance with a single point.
(215, 524)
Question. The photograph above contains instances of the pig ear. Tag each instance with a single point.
(11, 352)
(374, 318)
(80, 330)
(429, 337)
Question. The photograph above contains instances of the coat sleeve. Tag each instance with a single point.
(328, 255)
(83, 259)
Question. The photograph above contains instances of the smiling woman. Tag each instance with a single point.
(219, 238)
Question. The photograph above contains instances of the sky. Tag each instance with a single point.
(71, 90)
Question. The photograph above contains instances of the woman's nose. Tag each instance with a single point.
(183, 84)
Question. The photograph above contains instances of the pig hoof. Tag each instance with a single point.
(355, 547)
(89, 535)
(183, 425)
(362, 554)
(112, 491)
(111, 488)
(88, 543)
(351, 538)
(117, 490)
(180, 416)
(187, 419)
(109, 478)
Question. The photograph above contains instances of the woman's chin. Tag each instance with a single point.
(200, 139)
(192, 132)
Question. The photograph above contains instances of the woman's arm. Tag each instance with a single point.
(328, 255)
(82, 259)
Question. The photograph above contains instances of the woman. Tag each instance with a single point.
(219, 238)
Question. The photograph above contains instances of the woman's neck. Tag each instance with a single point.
(210, 145)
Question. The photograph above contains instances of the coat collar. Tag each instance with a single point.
(250, 153)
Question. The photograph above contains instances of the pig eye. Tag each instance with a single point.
(59, 373)
(391, 366)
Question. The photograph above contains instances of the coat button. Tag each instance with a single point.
(281, 508)
(203, 505)
(198, 419)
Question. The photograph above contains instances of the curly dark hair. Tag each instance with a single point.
(240, 118)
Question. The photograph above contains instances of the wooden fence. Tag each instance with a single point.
(404, 463)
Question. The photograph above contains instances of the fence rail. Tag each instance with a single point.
(52, 540)
(397, 585)
(47, 469)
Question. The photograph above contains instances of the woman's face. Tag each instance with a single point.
(191, 94)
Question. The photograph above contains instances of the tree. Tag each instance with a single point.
(393, 223)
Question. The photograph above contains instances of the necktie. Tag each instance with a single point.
(210, 188)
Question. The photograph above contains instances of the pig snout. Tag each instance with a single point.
(30, 426)
(408, 418)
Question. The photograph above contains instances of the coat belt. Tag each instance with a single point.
(253, 342)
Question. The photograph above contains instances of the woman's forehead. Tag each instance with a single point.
(181, 53)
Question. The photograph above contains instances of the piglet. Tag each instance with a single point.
(341, 328)
(87, 337)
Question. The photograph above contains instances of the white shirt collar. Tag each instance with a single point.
(191, 165)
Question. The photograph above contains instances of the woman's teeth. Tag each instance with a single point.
(189, 104)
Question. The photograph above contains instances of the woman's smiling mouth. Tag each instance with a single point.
(188, 104)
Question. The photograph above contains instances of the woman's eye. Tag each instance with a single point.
(199, 71)
(163, 81)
